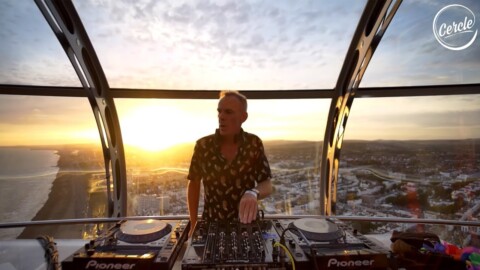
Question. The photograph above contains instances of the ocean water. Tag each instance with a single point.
(26, 178)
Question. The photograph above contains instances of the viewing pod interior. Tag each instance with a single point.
(375, 18)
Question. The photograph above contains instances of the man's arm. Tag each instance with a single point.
(264, 188)
(248, 207)
(193, 197)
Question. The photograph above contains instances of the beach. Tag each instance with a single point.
(69, 198)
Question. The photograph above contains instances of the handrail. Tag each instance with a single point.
(84, 220)
(4, 225)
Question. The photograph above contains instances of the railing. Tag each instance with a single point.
(5, 225)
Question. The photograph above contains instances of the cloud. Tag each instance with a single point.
(236, 45)
(169, 44)
(186, 38)
(47, 111)
(29, 50)
(410, 55)
(445, 119)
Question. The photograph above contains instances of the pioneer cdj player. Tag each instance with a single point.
(307, 243)
(331, 244)
(133, 244)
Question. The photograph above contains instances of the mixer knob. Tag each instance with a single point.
(90, 252)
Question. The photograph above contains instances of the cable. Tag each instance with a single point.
(293, 229)
(51, 252)
(260, 211)
(277, 244)
(281, 243)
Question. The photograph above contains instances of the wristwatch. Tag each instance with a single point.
(256, 191)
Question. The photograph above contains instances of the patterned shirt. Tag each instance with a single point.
(224, 183)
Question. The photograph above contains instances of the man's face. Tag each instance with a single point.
(231, 115)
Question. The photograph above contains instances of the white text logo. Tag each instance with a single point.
(92, 264)
(454, 27)
(349, 263)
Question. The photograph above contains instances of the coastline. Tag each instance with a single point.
(66, 200)
(69, 198)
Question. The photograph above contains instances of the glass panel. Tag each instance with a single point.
(428, 43)
(51, 165)
(255, 45)
(417, 159)
(30, 52)
(160, 134)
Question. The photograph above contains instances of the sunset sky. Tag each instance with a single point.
(248, 45)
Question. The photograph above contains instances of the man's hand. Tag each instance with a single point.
(248, 208)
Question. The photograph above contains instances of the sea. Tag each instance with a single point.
(26, 178)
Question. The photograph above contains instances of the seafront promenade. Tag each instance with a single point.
(69, 198)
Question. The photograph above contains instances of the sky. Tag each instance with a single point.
(244, 45)
(235, 44)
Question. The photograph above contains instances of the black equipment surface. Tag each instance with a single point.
(263, 244)
(331, 244)
(232, 245)
(133, 244)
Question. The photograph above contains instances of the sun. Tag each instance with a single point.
(152, 128)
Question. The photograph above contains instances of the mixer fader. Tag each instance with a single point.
(232, 245)
(307, 243)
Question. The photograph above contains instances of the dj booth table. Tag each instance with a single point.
(29, 254)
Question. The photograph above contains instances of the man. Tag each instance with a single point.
(232, 165)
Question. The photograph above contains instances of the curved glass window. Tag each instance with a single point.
(30, 52)
(254, 45)
(428, 43)
(421, 151)
(51, 165)
(160, 136)
(417, 159)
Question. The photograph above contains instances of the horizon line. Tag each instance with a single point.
(271, 140)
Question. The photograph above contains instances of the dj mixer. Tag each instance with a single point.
(305, 243)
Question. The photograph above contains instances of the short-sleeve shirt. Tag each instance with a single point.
(224, 183)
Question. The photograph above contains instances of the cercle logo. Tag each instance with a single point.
(454, 27)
